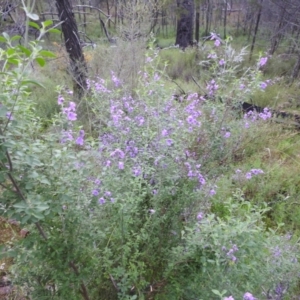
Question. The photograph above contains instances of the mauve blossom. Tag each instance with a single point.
(227, 135)
(228, 298)
(222, 62)
(248, 296)
(263, 85)
(217, 43)
(263, 61)
(60, 100)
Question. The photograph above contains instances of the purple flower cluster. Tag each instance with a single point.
(253, 116)
(262, 61)
(115, 80)
(194, 173)
(230, 252)
(248, 296)
(193, 112)
(67, 136)
(107, 196)
(70, 111)
(212, 86)
(80, 140)
(97, 85)
(253, 172)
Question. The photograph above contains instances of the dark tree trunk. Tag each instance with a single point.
(296, 69)
(184, 36)
(256, 29)
(73, 47)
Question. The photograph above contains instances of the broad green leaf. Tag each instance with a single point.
(32, 16)
(47, 53)
(47, 23)
(10, 51)
(3, 111)
(45, 181)
(21, 205)
(2, 39)
(40, 61)
(33, 24)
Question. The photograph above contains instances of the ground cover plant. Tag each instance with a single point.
(146, 197)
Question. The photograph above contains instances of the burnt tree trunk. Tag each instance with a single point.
(73, 47)
(184, 36)
(256, 29)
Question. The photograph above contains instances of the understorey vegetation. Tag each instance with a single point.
(137, 192)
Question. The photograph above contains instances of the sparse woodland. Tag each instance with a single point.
(149, 149)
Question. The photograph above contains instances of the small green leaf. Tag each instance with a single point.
(32, 16)
(33, 24)
(6, 36)
(25, 50)
(15, 37)
(2, 39)
(13, 61)
(47, 53)
(47, 23)
(40, 61)
(24, 82)
(54, 30)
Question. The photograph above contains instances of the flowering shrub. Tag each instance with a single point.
(122, 211)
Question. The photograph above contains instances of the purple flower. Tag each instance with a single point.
(95, 192)
(217, 43)
(60, 100)
(164, 132)
(121, 165)
(101, 201)
(169, 142)
(151, 211)
(227, 135)
(256, 171)
(228, 298)
(222, 62)
(108, 193)
(80, 139)
(156, 77)
(136, 171)
(263, 85)
(108, 163)
(70, 92)
(212, 192)
(72, 106)
(97, 181)
(212, 55)
(248, 296)
(200, 216)
(115, 79)
(112, 200)
(263, 61)
(66, 136)
(9, 115)
(248, 175)
(118, 153)
(71, 116)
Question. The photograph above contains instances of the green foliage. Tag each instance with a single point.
(130, 208)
